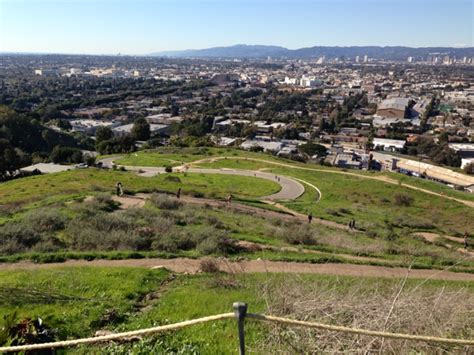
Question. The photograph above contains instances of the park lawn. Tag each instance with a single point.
(370, 201)
(173, 156)
(95, 291)
(41, 190)
(242, 163)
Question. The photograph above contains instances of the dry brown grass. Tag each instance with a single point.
(394, 308)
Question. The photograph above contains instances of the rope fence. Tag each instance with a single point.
(240, 314)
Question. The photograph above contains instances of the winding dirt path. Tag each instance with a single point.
(185, 265)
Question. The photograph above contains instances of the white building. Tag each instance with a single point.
(127, 129)
(388, 144)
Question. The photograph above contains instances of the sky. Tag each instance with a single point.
(147, 26)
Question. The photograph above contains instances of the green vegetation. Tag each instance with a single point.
(386, 215)
(78, 301)
(43, 190)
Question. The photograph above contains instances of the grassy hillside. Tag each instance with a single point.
(387, 215)
(79, 301)
(74, 215)
(43, 190)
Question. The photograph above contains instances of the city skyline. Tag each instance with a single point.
(144, 27)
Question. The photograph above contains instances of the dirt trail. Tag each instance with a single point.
(138, 200)
(379, 178)
(258, 247)
(185, 265)
(431, 237)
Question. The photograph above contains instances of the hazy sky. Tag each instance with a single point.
(145, 26)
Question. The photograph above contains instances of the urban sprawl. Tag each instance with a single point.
(414, 117)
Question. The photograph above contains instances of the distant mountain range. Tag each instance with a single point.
(262, 51)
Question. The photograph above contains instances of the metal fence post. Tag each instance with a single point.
(240, 311)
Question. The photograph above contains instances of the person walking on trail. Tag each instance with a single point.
(310, 217)
(353, 224)
(465, 241)
(178, 194)
(229, 199)
(118, 188)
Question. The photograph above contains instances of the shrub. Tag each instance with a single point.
(303, 235)
(217, 244)
(402, 199)
(45, 220)
(173, 179)
(174, 242)
(208, 265)
(345, 210)
(406, 221)
(333, 212)
(215, 222)
(165, 202)
(17, 237)
(102, 202)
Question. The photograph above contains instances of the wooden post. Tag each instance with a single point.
(240, 311)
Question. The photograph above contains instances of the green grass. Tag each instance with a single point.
(370, 202)
(42, 190)
(95, 291)
(169, 156)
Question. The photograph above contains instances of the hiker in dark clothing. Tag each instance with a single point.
(310, 218)
(178, 194)
(118, 188)
(353, 224)
(465, 241)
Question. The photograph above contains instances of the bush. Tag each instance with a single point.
(406, 221)
(45, 220)
(403, 200)
(175, 179)
(208, 265)
(17, 237)
(304, 235)
(174, 242)
(165, 202)
(218, 244)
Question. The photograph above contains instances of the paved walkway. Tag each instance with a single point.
(290, 188)
(382, 178)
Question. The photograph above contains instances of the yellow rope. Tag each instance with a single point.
(342, 329)
(147, 331)
(261, 317)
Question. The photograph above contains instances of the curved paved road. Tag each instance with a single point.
(290, 188)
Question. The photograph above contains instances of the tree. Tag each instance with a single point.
(9, 159)
(64, 124)
(469, 169)
(103, 134)
(65, 155)
(141, 129)
(123, 144)
(312, 149)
